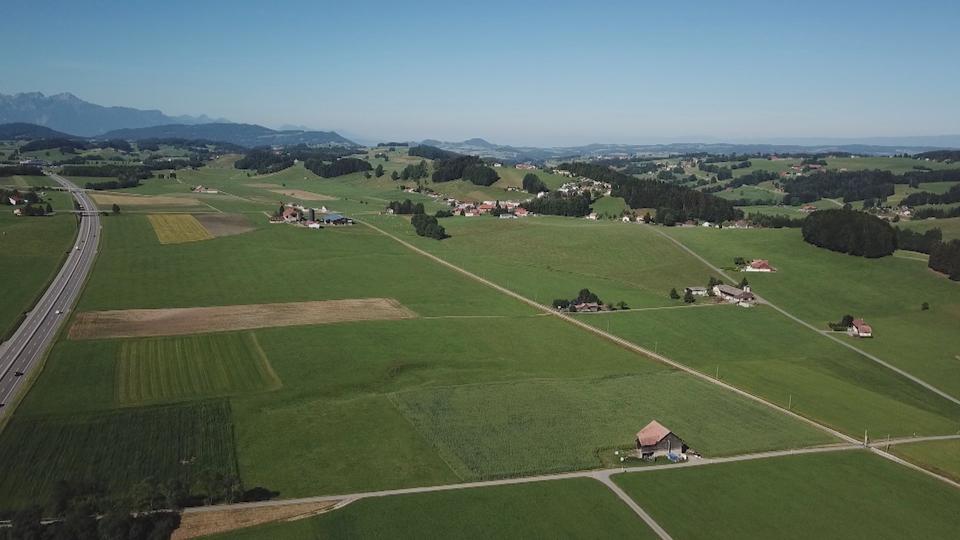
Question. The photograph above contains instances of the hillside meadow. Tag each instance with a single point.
(807, 496)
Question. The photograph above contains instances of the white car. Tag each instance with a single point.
(59, 312)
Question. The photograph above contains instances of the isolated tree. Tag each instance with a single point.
(739, 261)
(924, 306)
(688, 297)
(378, 172)
(674, 295)
(116, 209)
(394, 176)
(49, 208)
(743, 283)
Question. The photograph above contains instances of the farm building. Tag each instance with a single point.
(655, 440)
(336, 219)
(741, 297)
(860, 329)
(290, 214)
(587, 307)
(759, 265)
(697, 291)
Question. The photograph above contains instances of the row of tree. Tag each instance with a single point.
(925, 197)
(20, 170)
(119, 183)
(406, 207)
(105, 171)
(683, 202)
(774, 221)
(850, 231)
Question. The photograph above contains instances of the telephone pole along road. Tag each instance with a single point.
(20, 355)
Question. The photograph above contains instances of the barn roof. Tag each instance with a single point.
(653, 433)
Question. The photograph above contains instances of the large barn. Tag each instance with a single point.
(655, 440)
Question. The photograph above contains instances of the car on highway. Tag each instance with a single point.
(18, 374)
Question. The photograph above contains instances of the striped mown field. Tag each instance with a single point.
(178, 228)
(177, 368)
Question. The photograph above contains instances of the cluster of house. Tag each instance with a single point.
(510, 209)
(584, 185)
(313, 218)
(526, 166)
(204, 189)
(726, 293)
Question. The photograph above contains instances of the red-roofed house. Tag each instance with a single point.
(520, 211)
(656, 440)
(860, 329)
(759, 265)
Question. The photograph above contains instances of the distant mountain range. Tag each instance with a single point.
(68, 113)
(19, 131)
(900, 145)
(249, 135)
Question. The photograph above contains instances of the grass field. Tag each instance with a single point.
(612, 207)
(819, 285)
(941, 457)
(950, 227)
(172, 369)
(177, 228)
(811, 496)
(577, 508)
(750, 193)
(31, 252)
(116, 450)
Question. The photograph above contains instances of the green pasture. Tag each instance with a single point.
(941, 457)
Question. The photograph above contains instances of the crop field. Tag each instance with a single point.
(275, 263)
(808, 496)
(545, 258)
(117, 449)
(771, 356)
(941, 457)
(172, 369)
(25, 182)
(178, 228)
(199, 320)
(225, 224)
(576, 508)
(31, 251)
(105, 200)
(565, 425)
(819, 285)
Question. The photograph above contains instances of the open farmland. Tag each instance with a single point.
(117, 449)
(809, 496)
(819, 285)
(199, 320)
(577, 508)
(177, 228)
(171, 369)
(941, 457)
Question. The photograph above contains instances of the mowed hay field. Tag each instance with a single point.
(544, 258)
(181, 321)
(769, 355)
(852, 494)
(116, 449)
(941, 457)
(177, 228)
(819, 285)
(170, 369)
(576, 508)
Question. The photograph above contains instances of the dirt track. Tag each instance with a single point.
(194, 525)
(202, 320)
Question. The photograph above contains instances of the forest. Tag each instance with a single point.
(925, 197)
(945, 258)
(850, 231)
(264, 161)
(431, 152)
(445, 170)
(858, 185)
(558, 204)
(338, 167)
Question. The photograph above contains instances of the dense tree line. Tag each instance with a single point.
(925, 197)
(945, 258)
(723, 173)
(915, 241)
(480, 175)
(936, 213)
(431, 152)
(775, 221)
(338, 167)
(119, 183)
(683, 202)
(642, 167)
(858, 185)
(445, 170)
(406, 207)
(940, 155)
(65, 145)
(558, 204)
(428, 226)
(105, 171)
(20, 170)
(849, 231)
(753, 178)
(385, 144)
(415, 172)
(533, 184)
(264, 161)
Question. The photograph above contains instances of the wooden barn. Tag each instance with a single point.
(655, 440)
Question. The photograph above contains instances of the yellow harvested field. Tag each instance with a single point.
(202, 320)
(303, 195)
(142, 200)
(178, 228)
(196, 524)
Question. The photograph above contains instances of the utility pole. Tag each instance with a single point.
(790, 403)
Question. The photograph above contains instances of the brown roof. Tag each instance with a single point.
(862, 327)
(653, 433)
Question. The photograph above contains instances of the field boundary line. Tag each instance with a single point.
(789, 315)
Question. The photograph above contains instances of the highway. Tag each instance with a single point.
(21, 354)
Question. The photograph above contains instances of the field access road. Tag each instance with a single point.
(793, 317)
(22, 353)
(629, 345)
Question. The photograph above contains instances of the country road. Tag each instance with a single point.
(22, 353)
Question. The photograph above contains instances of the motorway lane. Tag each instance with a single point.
(22, 353)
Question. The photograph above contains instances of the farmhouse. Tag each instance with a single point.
(587, 307)
(759, 265)
(741, 297)
(860, 329)
(290, 214)
(17, 212)
(520, 212)
(655, 440)
(14, 200)
(697, 291)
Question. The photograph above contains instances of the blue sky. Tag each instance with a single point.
(537, 73)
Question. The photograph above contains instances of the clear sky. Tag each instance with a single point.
(513, 72)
